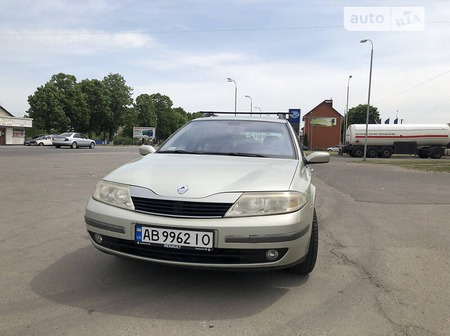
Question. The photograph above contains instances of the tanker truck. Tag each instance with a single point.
(383, 140)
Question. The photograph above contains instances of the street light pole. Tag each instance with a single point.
(346, 110)
(259, 110)
(368, 97)
(251, 104)
(235, 93)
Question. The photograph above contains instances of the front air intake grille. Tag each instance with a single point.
(180, 208)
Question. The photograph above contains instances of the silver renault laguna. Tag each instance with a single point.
(229, 192)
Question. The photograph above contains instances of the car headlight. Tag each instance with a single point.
(113, 194)
(272, 203)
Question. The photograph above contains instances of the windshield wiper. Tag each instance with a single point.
(178, 151)
(244, 154)
(182, 151)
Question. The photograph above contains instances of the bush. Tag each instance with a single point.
(128, 141)
(122, 140)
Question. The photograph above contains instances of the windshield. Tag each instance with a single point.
(232, 137)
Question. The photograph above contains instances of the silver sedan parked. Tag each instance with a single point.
(72, 140)
(222, 192)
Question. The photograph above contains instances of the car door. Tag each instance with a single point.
(81, 140)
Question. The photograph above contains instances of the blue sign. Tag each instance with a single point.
(294, 116)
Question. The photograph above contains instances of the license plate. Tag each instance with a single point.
(174, 238)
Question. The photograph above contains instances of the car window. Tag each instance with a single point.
(231, 137)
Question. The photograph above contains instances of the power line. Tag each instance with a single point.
(414, 87)
(186, 31)
(169, 31)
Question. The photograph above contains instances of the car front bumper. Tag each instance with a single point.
(239, 243)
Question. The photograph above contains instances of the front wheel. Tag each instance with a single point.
(73, 145)
(308, 264)
(92, 145)
(358, 151)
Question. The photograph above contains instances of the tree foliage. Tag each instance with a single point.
(166, 118)
(47, 111)
(71, 101)
(119, 102)
(96, 99)
(358, 115)
(102, 108)
(145, 111)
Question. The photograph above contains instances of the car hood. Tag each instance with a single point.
(205, 175)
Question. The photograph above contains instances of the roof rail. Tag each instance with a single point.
(281, 115)
(208, 114)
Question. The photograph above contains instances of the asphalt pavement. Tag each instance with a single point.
(383, 266)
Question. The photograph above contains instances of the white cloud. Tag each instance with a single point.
(57, 42)
(186, 50)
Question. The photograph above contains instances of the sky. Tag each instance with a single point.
(283, 54)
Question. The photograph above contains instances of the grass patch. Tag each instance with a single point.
(427, 165)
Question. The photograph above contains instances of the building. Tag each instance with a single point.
(12, 130)
(322, 126)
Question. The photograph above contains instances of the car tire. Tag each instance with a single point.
(73, 145)
(358, 151)
(57, 146)
(308, 264)
(423, 153)
(436, 153)
(386, 152)
(41, 144)
(92, 145)
(372, 152)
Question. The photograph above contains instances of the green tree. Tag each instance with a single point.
(72, 101)
(167, 120)
(146, 111)
(357, 115)
(96, 99)
(120, 101)
(143, 114)
(47, 111)
(195, 115)
(181, 116)
(102, 107)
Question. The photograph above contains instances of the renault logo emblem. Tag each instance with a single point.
(183, 189)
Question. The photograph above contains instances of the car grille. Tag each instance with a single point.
(180, 208)
(216, 256)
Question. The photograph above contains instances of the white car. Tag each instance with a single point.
(220, 193)
(336, 148)
(72, 140)
(44, 140)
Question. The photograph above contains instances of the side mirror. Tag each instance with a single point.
(318, 157)
(146, 149)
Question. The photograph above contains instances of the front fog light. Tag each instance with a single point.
(98, 238)
(272, 255)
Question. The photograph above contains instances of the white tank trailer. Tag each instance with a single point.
(383, 140)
